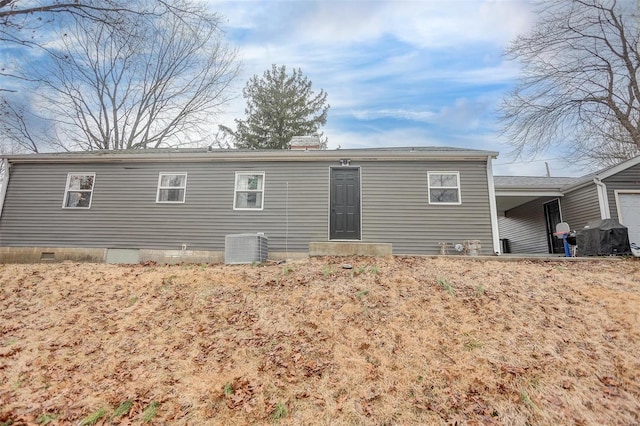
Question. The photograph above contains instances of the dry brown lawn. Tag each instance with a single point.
(391, 341)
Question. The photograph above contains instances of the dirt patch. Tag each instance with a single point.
(390, 341)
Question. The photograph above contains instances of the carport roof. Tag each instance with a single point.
(513, 191)
(532, 182)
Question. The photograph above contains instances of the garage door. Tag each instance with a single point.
(629, 210)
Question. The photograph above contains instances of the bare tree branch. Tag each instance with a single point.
(16, 133)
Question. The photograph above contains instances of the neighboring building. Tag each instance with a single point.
(178, 205)
(530, 207)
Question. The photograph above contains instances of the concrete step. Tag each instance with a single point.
(348, 248)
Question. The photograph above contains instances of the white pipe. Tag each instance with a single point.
(603, 198)
(493, 210)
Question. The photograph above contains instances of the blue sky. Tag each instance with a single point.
(397, 73)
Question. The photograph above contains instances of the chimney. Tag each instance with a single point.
(305, 142)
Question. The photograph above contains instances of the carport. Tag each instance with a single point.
(529, 208)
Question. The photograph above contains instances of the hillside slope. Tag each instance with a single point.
(390, 341)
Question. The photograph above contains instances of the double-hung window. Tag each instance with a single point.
(172, 188)
(249, 191)
(79, 190)
(444, 187)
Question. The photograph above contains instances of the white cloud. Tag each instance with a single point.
(421, 116)
(448, 24)
(427, 23)
(380, 138)
(504, 71)
(330, 26)
(557, 168)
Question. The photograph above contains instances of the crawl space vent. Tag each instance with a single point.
(245, 248)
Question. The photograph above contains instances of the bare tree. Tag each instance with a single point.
(152, 80)
(579, 88)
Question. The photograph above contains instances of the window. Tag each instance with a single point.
(444, 187)
(79, 190)
(249, 191)
(172, 188)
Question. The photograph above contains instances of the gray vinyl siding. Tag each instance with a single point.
(525, 228)
(581, 206)
(124, 213)
(395, 207)
(625, 180)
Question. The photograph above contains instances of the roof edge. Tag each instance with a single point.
(274, 155)
(519, 192)
(602, 174)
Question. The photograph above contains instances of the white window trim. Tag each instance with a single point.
(437, 203)
(235, 191)
(67, 190)
(160, 175)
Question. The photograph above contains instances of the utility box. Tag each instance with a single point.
(245, 248)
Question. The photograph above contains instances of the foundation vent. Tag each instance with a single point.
(47, 256)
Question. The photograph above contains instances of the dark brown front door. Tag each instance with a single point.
(344, 216)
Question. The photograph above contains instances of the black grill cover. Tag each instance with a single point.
(603, 237)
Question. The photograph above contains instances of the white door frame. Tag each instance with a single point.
(329, 202)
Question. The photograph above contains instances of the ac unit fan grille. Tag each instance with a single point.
(245, 248)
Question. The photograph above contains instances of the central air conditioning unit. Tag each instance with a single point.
(245, 248)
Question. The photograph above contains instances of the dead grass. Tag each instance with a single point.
(391, 341)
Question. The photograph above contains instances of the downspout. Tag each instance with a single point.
(493, 210)
(5, 183)
(603, 199)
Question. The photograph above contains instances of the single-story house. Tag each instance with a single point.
(529, 208)
(179, 205)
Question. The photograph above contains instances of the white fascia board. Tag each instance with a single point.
(535, 193)
(285, 155)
